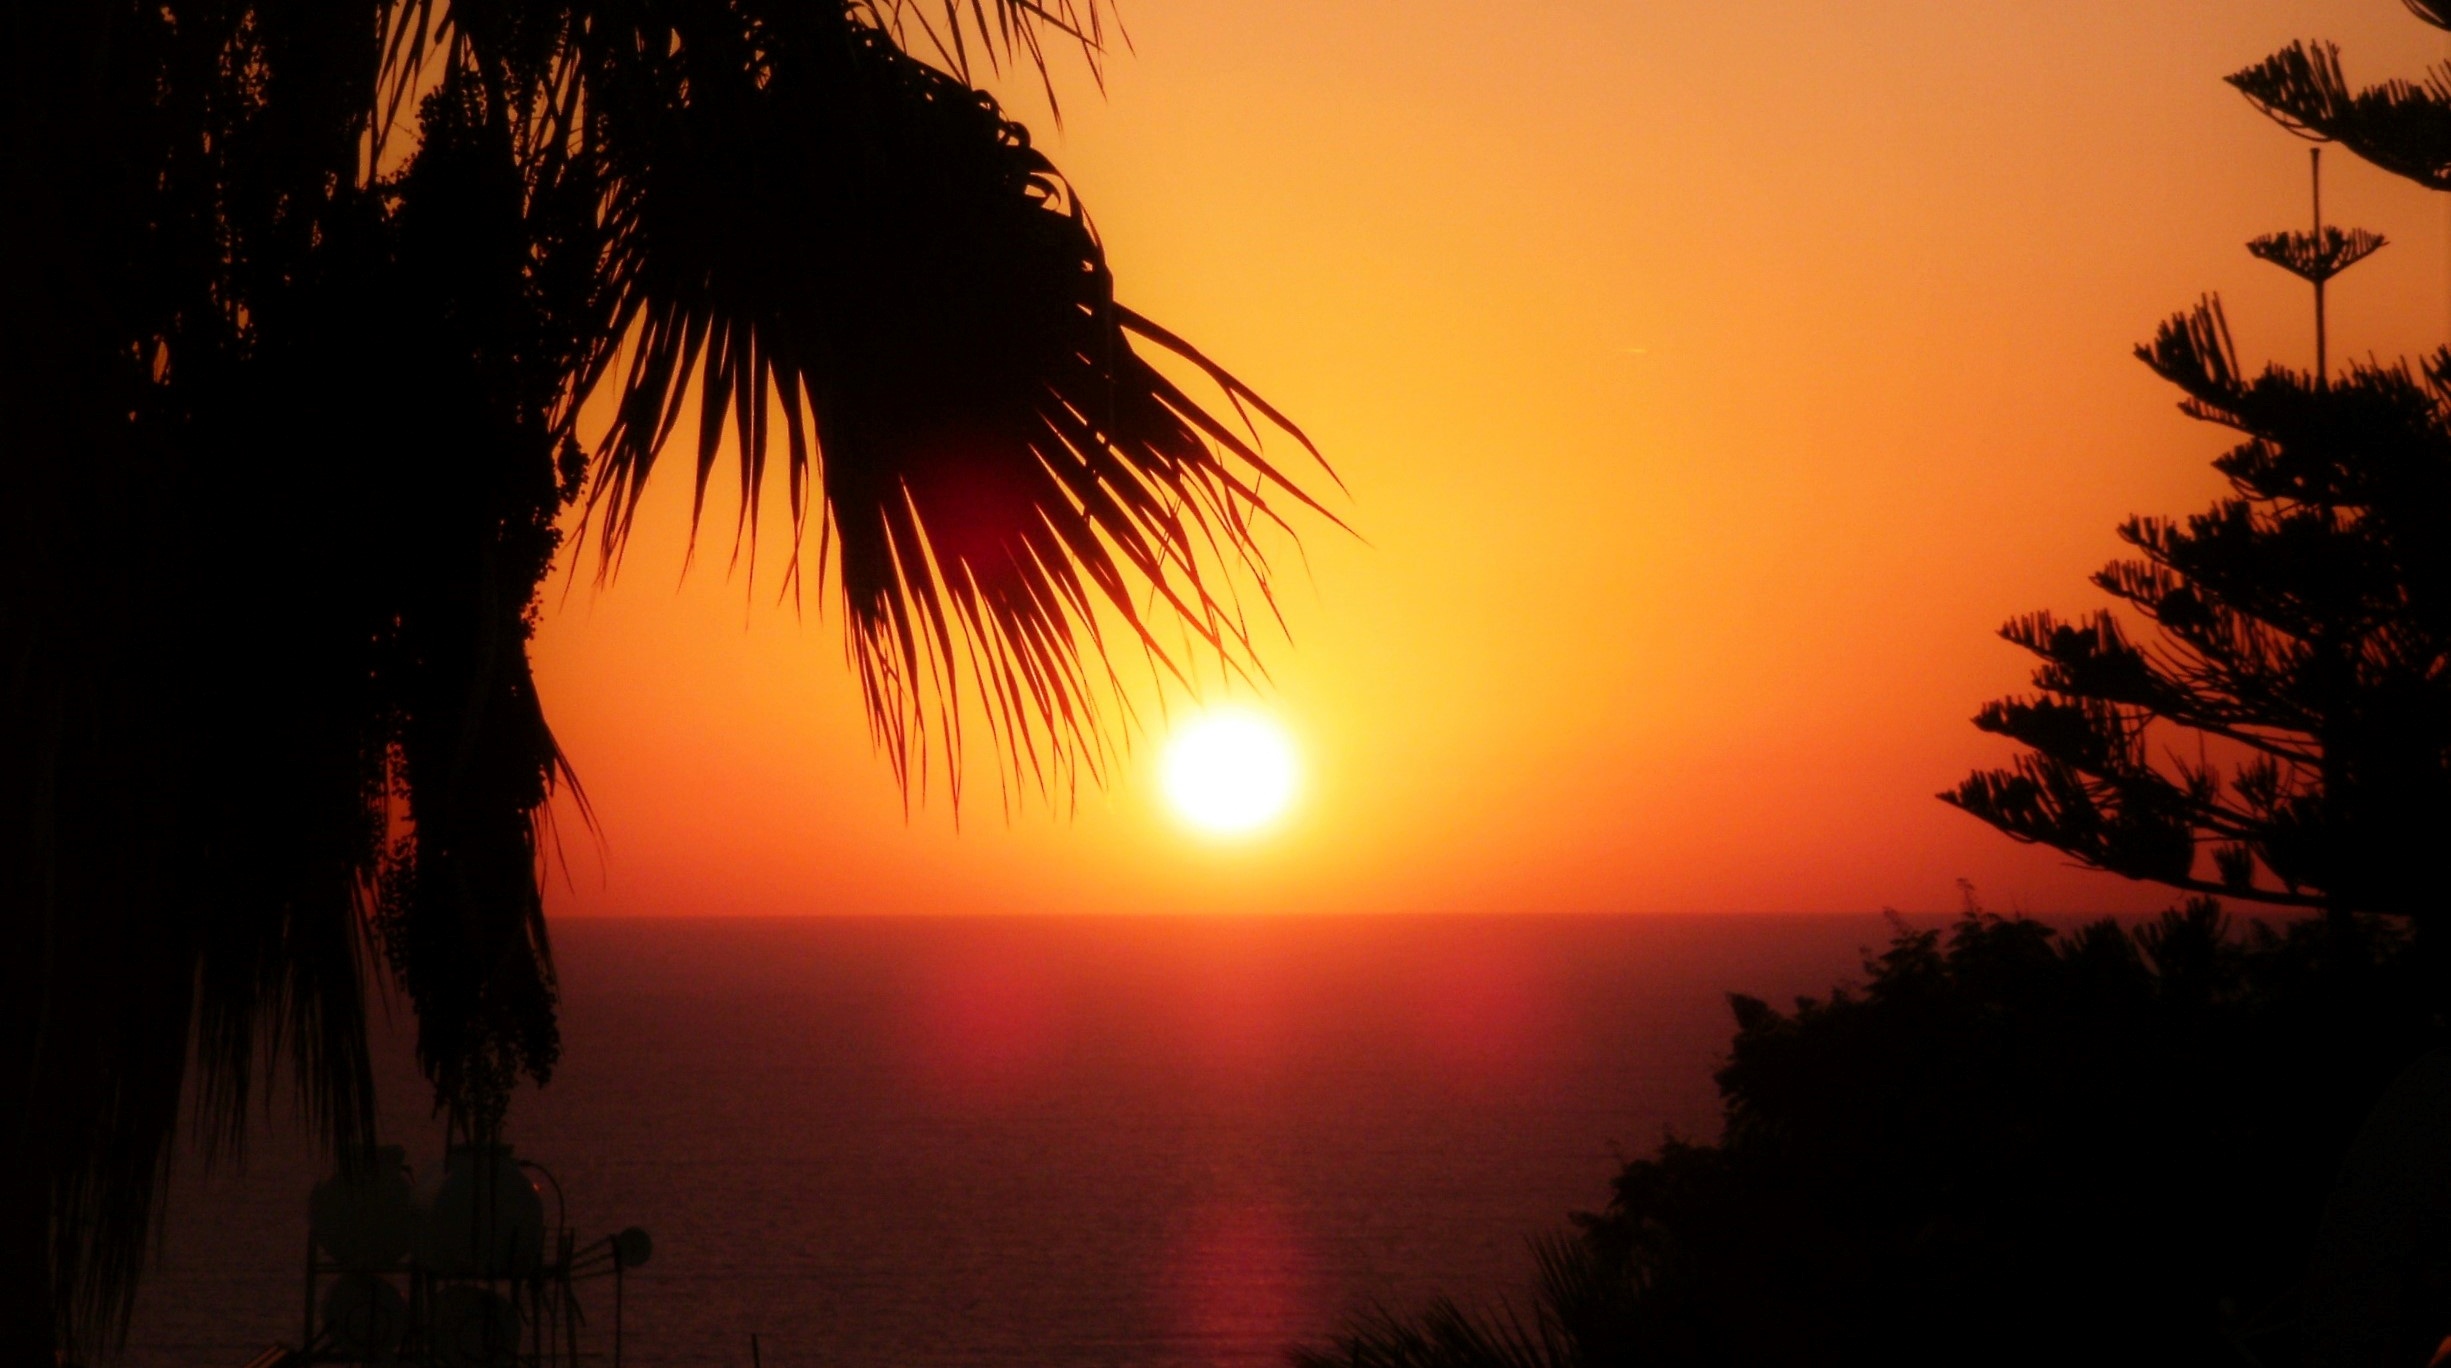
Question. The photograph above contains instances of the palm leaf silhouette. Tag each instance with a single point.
(831, 248)
(268, 715)
(1576, 1298)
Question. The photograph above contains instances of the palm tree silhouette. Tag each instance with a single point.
(304, 301)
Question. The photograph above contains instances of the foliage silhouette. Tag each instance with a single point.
(2285, 734)
(305, 298)
(2009, 1146)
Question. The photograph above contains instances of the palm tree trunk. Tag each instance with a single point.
(28, 1318)
(26, 1331)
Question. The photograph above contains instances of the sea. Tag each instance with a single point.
(1067, 1142)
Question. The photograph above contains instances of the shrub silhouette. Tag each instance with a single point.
(2009, 1145)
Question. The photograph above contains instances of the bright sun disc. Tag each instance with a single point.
(1229, 772)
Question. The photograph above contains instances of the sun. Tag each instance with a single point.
(1229, 772)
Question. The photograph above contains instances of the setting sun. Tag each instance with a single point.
(1229, 773)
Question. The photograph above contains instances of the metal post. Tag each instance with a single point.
(568, 1306)
(306, 1335)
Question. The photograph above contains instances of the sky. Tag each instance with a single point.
(1709, 382)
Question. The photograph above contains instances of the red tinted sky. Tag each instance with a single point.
(1711, 381)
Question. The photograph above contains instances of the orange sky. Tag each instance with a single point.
(1711, 379)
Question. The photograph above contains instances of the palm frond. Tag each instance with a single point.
(1005, 32)
(1443, 1334)
(814, 232)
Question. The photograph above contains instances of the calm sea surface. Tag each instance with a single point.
(1160, 1142)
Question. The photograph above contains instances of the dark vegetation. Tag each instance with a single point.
(2177, 1143)
(2009, 1145)
(302, 301)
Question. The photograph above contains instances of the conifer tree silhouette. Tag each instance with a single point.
(2283, 734)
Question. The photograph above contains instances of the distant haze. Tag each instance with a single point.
(1711, 381)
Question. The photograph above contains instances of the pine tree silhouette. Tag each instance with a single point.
(2282, 734)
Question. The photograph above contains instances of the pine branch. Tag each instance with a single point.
(2400, 126)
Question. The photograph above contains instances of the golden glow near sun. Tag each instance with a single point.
(1229, 772)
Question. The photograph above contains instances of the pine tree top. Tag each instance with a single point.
(2402, 126)
(2317, 256)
